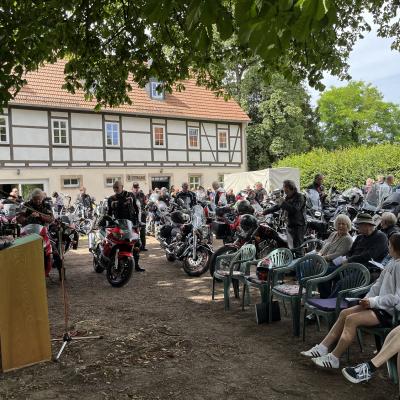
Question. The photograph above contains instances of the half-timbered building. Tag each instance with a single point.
(55, 140)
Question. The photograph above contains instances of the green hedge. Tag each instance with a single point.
(346, 167)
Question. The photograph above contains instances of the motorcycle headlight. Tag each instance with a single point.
(205, 231)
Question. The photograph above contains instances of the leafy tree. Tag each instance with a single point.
(283, 122)
(356, 114)
(108, 41)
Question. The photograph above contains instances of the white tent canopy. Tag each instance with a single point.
(271, 178)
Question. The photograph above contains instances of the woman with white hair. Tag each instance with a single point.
(338, 244)
(388, 224)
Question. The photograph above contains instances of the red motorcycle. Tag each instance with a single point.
(112, 248)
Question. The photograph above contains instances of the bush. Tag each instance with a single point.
(346, 168)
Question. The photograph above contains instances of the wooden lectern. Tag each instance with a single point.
(24, 322)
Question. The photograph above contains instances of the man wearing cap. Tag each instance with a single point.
(123, 205)
(141, 200)
(369, 244)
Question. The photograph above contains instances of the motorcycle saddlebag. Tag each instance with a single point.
(220, 229)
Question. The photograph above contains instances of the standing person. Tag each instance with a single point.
(140, 198)
(123, 205)
(294, 205)
(14, 196)
(58, 203)
(188, 197)
(86, 200)
(230, 197)
(368, 185)
(164, 196)
(218, 196)
(318, 185)
(201, 194)
(260, 192)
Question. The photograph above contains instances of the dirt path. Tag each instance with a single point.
(165, 339)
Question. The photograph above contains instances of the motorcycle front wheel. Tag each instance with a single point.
(197, 267)
(120, 275)
(97, 267)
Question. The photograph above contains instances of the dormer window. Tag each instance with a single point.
(155, 94)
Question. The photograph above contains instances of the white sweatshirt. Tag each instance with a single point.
(385, 293)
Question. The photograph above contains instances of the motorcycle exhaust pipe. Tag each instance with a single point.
(91, 241)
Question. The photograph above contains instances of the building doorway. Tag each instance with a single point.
(160, 182)
(25, 187)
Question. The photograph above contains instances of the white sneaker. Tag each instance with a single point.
(316, 351)
(327, 361)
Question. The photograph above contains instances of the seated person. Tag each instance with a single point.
(375, 309)
(388, 224)
(338, 244)
(37, 211)
(369, 244)
(364, 372)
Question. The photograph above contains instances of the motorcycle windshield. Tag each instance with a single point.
(198, 216)
(154, 197)
(126, 228)
(314, 199)
(31, 228)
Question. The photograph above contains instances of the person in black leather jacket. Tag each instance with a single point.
(188, 197)
(123, 205)
(141, 199)
(294, 205)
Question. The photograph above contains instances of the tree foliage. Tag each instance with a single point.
(346, 168)
(283, 122)
(357, 114)
(108, 41)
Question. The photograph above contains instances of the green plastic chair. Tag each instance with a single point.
(307, 267)
(353, 281)
(380, 334)
(281, 257)
(231, 269)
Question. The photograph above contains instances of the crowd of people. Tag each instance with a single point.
(381, 245)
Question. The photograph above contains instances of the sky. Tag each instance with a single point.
(374, 62)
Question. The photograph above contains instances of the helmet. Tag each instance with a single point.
(244, 207)
(177, 217)
(248, 223)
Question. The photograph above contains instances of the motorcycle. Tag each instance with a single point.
(264, 237)
(112, 248)
(188, 239)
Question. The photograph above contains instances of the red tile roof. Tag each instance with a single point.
(44, 89)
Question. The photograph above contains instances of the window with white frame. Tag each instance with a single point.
(158, 136)
(112, 134)
(222, 140)
(60, 131)
(71, 182)
(193, 138)
(3, 130)
(156, 94)
(110, 180)
(194, 182)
